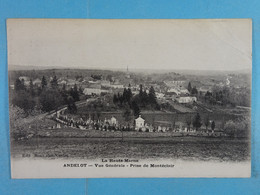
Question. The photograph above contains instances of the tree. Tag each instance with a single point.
(207, 96)
(31, 88)
(194, 91)
(17, 116)
(80, 90)
(129, 95)
(230, 128)
(44, 82)
(188, 122)
(189, 87)
(74, 93)
(64, 88)
(125, 95)
(213, 126)
(97, 77)
(206, 122)
(120, 98)
(19, 85)
(136, 109)
(238, 128)
(72, 108)
(140, 93)
(98, 114)
(115, 99)
(127, 115)
(152, 96)
(144, 99)
(197, 121)
(141, 90)
(51, 99)
(109, 78)
(54, 82)
(23, 100)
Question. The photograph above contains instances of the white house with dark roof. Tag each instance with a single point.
(113, 121)
(139, 123)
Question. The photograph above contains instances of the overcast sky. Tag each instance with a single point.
(143, 44)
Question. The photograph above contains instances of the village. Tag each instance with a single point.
(121, 102)
(97, 85)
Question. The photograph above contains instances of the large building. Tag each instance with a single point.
(117, 86)
(94, 89)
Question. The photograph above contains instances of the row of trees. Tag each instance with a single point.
(197, 122)
(234, 128)
(219, 95)
(137, 102)
(223, 95)
(44, 97)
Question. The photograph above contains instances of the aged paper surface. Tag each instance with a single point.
(129, 98)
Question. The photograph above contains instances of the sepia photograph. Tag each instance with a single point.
(94, 98)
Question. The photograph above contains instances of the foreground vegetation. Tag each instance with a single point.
(186, 148)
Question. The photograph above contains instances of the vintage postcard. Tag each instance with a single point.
(91, 98)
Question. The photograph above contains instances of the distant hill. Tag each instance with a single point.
(27, 67)
(139, 70)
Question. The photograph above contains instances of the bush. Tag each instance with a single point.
(50, 100)
(23, 100)
(239, 128)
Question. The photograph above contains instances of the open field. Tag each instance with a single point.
(69, 132)
(185, 148)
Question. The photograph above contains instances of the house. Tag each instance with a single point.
(62, 82)
(113, 121)
(184, 91)
(105, 91)
(174, 90)
(178, 90)
(37, 82)
(117, 86)
(174, 83)
(186, 99)
(11, 86)
(94, 82)
(139, 123)
(159, 95)
(105, 83)
(93, 90)
(72, 82)
(26, 80)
